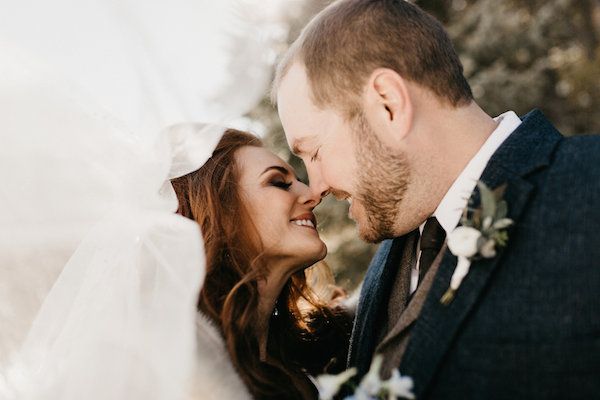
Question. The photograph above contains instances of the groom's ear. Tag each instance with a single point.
(388, 106)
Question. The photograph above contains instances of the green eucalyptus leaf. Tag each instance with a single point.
(501, 238)
(488, 200)
(487, 223)
(499, 191)
(503, 223)
(464, 218)
(501, 210)
(476, 218)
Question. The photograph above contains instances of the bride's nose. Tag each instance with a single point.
(308, 196)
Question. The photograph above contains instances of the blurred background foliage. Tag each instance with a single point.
(517, 55)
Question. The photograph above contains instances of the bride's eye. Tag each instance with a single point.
(281, 184)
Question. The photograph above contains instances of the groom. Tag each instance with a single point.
(373, 99)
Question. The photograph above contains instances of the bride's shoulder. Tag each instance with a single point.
(214, 374)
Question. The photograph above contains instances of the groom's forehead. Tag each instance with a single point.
(305, 134)
(294, 96)
(303, 121)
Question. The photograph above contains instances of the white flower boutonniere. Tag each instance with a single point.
(371, 386)
(482, 230)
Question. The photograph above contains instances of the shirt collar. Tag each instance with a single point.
(450, 209)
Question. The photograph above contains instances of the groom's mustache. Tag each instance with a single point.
(339, 194)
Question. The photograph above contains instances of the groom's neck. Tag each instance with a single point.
(458, 134)
(450, 139)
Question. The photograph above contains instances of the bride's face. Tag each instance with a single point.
(280, 207)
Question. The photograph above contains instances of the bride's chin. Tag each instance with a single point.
(315, 257)
(320, 255)
(324, 252)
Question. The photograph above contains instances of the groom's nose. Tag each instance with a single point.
(308, 196)
(317, 185)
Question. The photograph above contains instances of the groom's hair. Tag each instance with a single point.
(343, 44)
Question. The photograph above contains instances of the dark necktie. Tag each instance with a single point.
(432, 240)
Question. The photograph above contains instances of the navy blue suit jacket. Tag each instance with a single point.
(525, 324)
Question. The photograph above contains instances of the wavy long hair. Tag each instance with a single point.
(299, 342)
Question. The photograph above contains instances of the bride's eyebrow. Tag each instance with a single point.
(279, 168)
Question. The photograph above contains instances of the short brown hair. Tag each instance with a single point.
(349, 39)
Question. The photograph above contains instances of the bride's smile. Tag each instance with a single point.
(308, 220)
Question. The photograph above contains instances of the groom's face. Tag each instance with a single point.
(343, 157)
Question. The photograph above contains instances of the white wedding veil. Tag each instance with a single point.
(98, 276)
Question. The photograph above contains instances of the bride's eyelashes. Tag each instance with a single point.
(281, 184)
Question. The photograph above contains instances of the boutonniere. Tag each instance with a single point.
(371, 386)
(481, 232)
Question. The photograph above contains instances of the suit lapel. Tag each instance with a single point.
(413, 309)
(527, 149)
(400, 290)
(438, 324)
(373, 296)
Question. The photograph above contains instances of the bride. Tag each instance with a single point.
(117, 322)
(107, 293)
(260, 234)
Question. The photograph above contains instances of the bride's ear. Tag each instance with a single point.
(389, 106)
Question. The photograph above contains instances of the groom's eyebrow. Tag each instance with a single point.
(298, 143)
(296, 149)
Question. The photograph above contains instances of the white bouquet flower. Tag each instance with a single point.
(371, 386)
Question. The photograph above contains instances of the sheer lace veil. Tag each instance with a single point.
(98, 276)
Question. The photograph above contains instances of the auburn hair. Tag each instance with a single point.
(299, 342)
(343, 44)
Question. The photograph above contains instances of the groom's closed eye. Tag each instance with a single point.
(315, 155)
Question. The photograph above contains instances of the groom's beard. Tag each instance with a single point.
(382, 181)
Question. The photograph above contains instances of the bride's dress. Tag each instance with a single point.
(98, 276)
(216, 381)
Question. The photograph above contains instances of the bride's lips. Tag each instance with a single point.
(307, 220)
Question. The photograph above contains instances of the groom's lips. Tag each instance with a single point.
(339, 194)
(343, 195)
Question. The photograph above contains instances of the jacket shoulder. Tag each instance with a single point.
(577, 159)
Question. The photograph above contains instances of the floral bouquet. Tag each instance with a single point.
(371, 386)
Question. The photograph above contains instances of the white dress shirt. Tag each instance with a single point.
(451, 207)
